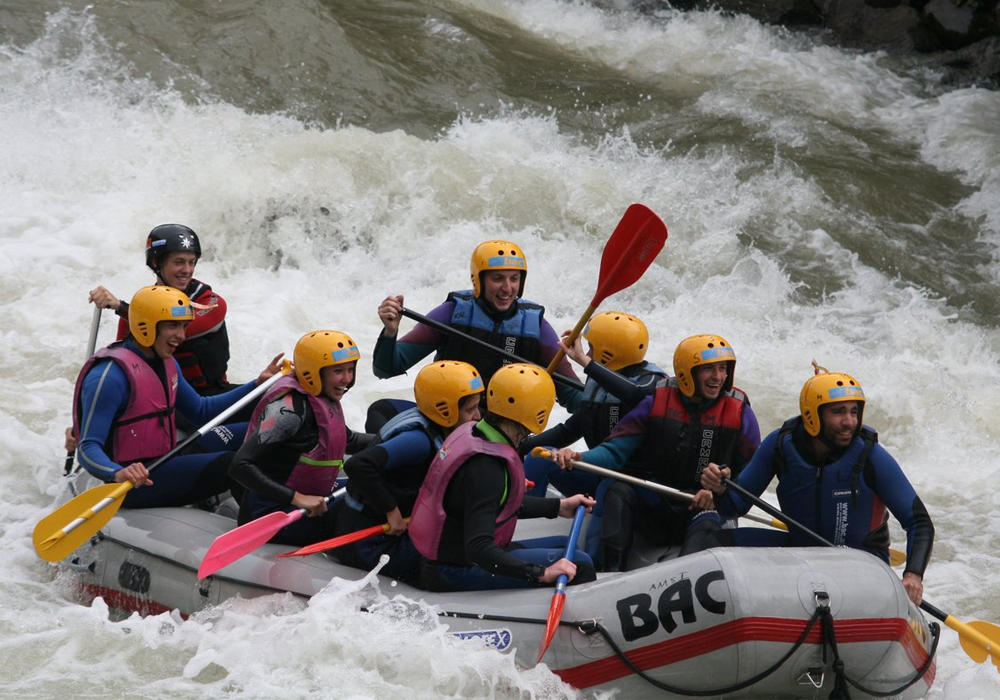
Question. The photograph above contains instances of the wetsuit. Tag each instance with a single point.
(608, 396)
(102, 397)
(204, 354)
(521, 329)
(843, 497)
(468, 555)
(266, 461)
(385, 476)
(674, 437)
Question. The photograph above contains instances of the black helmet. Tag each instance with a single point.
(170, 238)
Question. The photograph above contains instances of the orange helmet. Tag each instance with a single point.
(522, 393)
(153, 304)
(320, 349)
(496, 255)
(441, 386)
(825, 388)
(702, 350)
(618, 339)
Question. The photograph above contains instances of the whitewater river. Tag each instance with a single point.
(821, 204)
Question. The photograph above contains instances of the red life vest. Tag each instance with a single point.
(316, 471)
(680, 443)
(427, 521)
(146, 429)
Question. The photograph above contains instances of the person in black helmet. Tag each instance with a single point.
(172, 252)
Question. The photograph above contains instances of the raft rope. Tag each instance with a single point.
(822, 614)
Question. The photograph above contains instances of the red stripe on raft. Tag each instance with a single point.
(129, 603)
(755, 629)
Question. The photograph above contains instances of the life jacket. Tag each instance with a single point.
(203, 358)
(517, 333)
(404, 481)
(427, 522)
(832, 500)
(146, 429)
(600, 411)
(315, 472)
(681, 439)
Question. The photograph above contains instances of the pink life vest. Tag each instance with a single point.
(316, 471)
(427, 521)
(146, 429)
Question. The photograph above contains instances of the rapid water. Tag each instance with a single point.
(821, 204)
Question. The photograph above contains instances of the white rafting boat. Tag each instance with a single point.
(739, 622)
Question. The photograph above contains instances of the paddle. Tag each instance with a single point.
(979, 639)
(341, 540)
(559, 597)
(62, 531)
(444, 328)
(633, 246)
(237, 543)
(95, 325)
(895, 555)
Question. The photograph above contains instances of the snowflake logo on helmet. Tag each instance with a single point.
(186, 241)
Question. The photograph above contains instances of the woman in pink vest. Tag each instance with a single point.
(127, 400)
(297, 439)
(465, 514)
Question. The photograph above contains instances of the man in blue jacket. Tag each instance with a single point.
(833, 478)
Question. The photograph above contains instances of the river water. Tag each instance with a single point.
(822, 204)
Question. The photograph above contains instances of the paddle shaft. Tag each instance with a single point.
(444, 328)
(95, 326)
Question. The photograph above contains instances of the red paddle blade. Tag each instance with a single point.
(340, 541)
(635, 243)
(237, 543)
(552, 623)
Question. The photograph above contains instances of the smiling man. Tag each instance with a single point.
(690, 420)
(492, 311)
(833, 478)
(127, 400)
(172, 252)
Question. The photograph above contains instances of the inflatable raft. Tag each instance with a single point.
(771, 623)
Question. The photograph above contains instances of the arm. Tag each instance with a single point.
(393, 356)
(367, 467)
(754, 477)
(627, 391)
(895, 490)
(548, 346)
(103, 396)
(557, 436)
(748, 440)
(268, 455)
(198, 409)
(207, 320)
(356, 442)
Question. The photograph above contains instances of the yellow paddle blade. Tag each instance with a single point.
(979, 639)
(60, 532)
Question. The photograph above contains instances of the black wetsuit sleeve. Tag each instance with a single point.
(267, 457)
(561, 435)
(628, 392)
(536, 507)
(356, 442)
(364, 470)
(475, 492)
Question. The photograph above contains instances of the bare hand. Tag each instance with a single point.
(913, 584)
(397, 526)
(702, 500)
(136, 473)
(575, 352)
(390, 311)
(711, 478)
(70, 441)
(271, 370)
(104, 299)
(565, 457)
(563, 566)
(314, 505)
(567, 506)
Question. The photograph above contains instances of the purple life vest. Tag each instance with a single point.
(146, 429)
(427, 520)
(316, 471)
